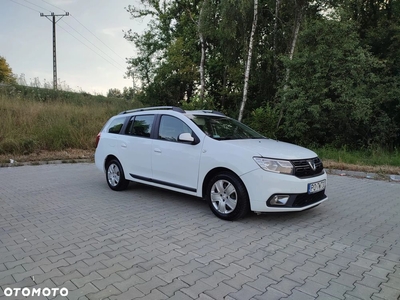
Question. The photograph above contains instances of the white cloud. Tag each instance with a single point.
(114, 31)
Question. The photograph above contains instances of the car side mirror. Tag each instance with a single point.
(186, 137)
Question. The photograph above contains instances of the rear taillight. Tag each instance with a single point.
(97, 139)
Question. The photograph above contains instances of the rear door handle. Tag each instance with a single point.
(123, 145)
(156, 150)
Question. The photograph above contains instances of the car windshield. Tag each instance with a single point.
(224, 128)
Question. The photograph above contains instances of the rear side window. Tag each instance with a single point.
(140, 125)
(116, 125)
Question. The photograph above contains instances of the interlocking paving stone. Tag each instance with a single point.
(246, 292)
(388, 293)
(286, 286)
(171, 275)
(59, 280)
(196, 289)
(311, 288)
(221, 291)
(362, 291)
(180, 296)
(171, 288)
(299, 295)
(66, 227)
(104, 293)
(346, 279)
(155, 295)
(336, 290)
(81, 281)
(33, 272)
(271, 294)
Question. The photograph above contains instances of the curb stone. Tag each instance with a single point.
(46, 162)
(357, 174)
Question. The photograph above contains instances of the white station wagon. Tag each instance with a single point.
(209, 155)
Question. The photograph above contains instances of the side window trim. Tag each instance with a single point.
(131, 124)
(128, 126)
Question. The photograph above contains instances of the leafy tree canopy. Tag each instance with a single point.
(6, 75)
(322, 72)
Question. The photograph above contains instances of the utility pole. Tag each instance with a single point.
(53, 20)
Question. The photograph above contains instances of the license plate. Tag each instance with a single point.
(316, 186)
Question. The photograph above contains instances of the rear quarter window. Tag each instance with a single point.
(116, 125)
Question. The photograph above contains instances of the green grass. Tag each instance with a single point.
(369, 157)
(39, 119)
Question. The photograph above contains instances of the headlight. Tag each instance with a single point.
(274, 165)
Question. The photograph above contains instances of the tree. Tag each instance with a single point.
(6, 74)
(114, 93)
(340, 86)
(167, 56)
(21, 80)
(327, 98)
(248, 63)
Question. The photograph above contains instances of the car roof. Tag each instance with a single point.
(160, 109)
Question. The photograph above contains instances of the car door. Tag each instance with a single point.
(137, 147)
(175, 163)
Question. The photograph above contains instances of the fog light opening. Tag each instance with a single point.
(279, 200)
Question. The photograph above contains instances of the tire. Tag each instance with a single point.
(115, 176)
(227, 197)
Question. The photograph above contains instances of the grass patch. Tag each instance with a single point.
(54, 121)
(378, 161)
(370, 157)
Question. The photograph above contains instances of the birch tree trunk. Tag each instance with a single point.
(248, 63)
(291, 53)
(203, 50)
(202, 61)
(277, 4)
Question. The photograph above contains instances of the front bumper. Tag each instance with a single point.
(262, 186)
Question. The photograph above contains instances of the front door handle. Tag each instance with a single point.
(157, 150)
(123, 145)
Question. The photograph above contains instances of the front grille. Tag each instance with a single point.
(303, 168)
(308, 199)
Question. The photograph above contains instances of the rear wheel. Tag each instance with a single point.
(227, 196)
(115, 176)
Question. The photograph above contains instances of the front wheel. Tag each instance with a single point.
(227, 196)
(115, 176)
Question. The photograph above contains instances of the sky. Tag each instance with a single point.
(91, 49)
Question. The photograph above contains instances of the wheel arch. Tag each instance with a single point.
(108, 159)
(214, 172)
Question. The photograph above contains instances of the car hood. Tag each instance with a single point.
(273, 148)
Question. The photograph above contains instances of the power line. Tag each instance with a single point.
(86, 29)
(54, 6)
(111, 63)
(36, 5)
(89, 47)
(97, 37)
(93, 44)
(25, 6)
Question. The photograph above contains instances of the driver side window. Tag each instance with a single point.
(171, 128)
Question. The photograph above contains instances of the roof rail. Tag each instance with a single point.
(175, 108)
(208, 111)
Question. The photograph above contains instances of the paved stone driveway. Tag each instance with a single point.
(61, 226)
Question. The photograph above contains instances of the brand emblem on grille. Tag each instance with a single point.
(312, 165)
